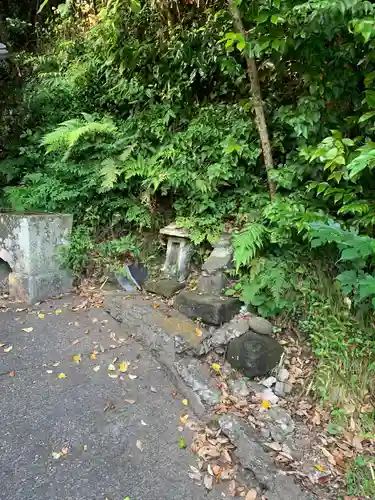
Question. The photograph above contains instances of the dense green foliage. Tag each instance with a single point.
(132, 114)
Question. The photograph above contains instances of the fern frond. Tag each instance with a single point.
(109, 172)
(248, 242)
(68, 133)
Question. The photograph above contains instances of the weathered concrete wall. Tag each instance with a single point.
(30, 244)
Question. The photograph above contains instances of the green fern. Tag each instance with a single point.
(248, 242)
(67, 135)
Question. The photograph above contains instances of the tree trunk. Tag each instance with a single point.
(260, 119)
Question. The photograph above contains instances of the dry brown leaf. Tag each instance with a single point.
(251, 495)
(329, 456)
(129, 401)
(357, 443)
(208, 452)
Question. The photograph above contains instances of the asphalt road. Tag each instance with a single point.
(86, 435)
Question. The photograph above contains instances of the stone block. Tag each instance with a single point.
(211, 309)
(31, 244)
(254, 354)
(260, 325)
(214, 283)
(179, 252)
(164, 287)
(220, 258)
(32, 288)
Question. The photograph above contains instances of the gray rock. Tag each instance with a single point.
(212, 283)
(223, 335)
(252, 456)
(282, 375)
(164, 287)
(282, 388)
(279, 422)
(211, 309)
(260, 325)
(268, 382)
(254, 354)
(239, 388)
(195, 377)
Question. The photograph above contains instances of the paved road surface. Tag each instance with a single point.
(86, 412)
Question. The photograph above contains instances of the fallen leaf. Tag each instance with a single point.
(185, 402)
(61, 375)
(208, 481)
(49, 372)
(8, 349)
(274, 446)
(123, 367)
(93, 355)
(144, 423)
(129, 401)
(216, 367)
(111, 367)
(29, 329)
(76, 323)
(77, 358)
(64, 450)
(184, 419)
(58, 311)
(84, 447)
(20, 309)
(41, 316)
(198, 332)
(320, 468)
(96, 368)
(75, 342)
(156, 306)
(56, 455)
(182, 443)
(139, 445)
(232, 488)
(112, 375)
(152, 389)
(11, 374)
(266, 404)
(56, 363)
(251, 495)
(132, 377)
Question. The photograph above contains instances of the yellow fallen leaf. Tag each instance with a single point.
(184, 419)
(77, 358)
(93, 355)
(41, 316)
(216, 367)
(61, 375)
(58, 311)
(185, 402)
(28, 329)
(198, 332)
(8, 349)
(112, 375)
(319, 468)
(123, 367)
(266, 404)
(56, 455)
(111, 367)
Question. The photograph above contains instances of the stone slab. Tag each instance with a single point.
(31, 244)
(214, 283)
(220, 258)
(174, 230)
(211, 309)
(30, 289)
(164, 287)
